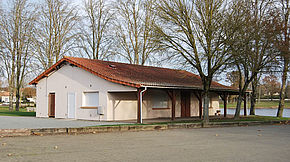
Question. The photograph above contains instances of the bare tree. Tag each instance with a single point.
(233, 78)
(95, 33)
(254, 93)
(1, 48)
(271, 85)
(283, 47)
(8, 55)
(134, 34)
(17, 27)
(29, 92)
(253, 48)
(195, 31)
(56, 34)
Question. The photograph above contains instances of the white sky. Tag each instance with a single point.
(221, 77)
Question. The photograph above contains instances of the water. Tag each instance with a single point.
(262, 112)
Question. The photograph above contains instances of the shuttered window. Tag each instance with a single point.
(90, 99)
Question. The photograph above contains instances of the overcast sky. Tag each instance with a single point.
(221, 78)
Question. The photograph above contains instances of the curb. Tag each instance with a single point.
(128, 128)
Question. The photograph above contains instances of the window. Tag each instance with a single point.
(159, 99)
(90, 99)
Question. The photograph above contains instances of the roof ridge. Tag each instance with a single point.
(126, 63)
(180, 70)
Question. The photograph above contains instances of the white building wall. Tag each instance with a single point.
(73, 79)
(125, 106)
(42, 98)
(5, 99)
(214, 103)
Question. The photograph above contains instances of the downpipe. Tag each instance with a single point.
(141, 101)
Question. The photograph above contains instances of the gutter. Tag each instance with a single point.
(193, 88)
(141, 100)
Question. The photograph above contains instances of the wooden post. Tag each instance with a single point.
(173, 99)
(225, 104)
(139, 106)
(245, 104)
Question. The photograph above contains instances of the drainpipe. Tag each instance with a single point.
(141, 99)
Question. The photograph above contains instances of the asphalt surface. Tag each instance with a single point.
(255, 143)
(16, 122)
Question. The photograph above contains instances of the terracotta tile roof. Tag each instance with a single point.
(4, 93)
(135, 75)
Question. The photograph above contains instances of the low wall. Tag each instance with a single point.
(128, 128)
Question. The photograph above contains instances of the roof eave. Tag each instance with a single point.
(190, 88)
(54, 67)
(46, 72)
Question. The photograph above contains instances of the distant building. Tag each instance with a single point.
(4, 97)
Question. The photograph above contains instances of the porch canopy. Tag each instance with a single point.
(197, 91)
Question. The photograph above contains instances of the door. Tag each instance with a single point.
(185, 104)
(51, 105)
(71, 105)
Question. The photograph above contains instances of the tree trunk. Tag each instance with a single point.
(206, 102)
(17, 99)
(259, 97)
(253, 96)
(253, 103)
(238, 108)
(242, 93)
(11, 94)
(283, 88)
(205, 107)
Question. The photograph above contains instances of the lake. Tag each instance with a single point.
(262, 112)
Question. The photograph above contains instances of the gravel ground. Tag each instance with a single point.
(254, 143)
(16, 122)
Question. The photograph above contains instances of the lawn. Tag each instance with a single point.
(252, 118)
(262, 104)
(242, 118)
(4, 111)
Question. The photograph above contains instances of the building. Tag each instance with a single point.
(87, 89)
(4, 97)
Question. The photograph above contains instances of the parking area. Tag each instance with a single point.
(230, 144)
(12, 122)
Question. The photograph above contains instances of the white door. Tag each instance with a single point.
(71, 105)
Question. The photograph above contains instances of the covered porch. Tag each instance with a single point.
(184, 95)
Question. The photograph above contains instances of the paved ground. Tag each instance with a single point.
(256, 143)
(12, 122)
